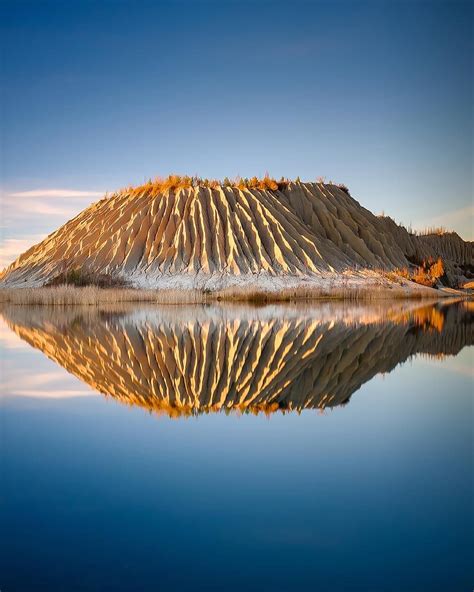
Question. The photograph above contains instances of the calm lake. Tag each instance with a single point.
(311, 447)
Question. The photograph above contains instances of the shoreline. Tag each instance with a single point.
(67, 295)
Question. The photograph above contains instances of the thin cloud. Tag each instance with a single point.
(453, 365)
(27, 207)
(461, 219)
(45, 209)
(455, 215)
(48, 394)
(46, 385)
(9, 339)
(56, 193)
(40, 211)
(11, 248)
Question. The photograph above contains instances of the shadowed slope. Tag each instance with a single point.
(194, 359)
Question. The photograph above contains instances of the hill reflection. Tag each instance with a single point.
(194, 359)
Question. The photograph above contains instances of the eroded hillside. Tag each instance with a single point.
(215, 237)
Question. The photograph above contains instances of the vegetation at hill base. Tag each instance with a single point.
(428, 273)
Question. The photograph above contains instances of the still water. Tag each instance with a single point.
(237, 448)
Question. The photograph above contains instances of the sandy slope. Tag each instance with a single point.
(215, 238)
(197, 359)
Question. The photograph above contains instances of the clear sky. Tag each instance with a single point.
(98, 95)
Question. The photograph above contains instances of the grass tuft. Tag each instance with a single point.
(176, 182)
(428, 273)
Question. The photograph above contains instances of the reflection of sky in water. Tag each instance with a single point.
(25, 372)
(376, 495)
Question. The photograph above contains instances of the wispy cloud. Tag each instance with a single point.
(26, 208)
(11, 248)
(56, 193)
(462, 367)
(9, 339)
(43, 208)
(48, 394)
(46, 385)
(48, 381)
(38, 211)
(462, 220)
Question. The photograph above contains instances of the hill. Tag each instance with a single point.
(212, 237)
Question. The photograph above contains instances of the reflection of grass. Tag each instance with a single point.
(91, 295)
(425, 317)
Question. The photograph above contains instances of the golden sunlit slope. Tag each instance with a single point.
(188, 360)
(213, 237)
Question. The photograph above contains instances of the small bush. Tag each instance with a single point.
(344, 188)
(428, 273)
(81, 278)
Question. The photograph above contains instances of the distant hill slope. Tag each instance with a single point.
(203, 237)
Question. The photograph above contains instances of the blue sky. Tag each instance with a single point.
(98, 95)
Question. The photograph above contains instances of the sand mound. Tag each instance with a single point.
(202, 237)
(199, 359)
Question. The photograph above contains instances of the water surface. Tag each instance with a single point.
(275, 448)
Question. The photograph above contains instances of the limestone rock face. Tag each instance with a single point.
(207, 236)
